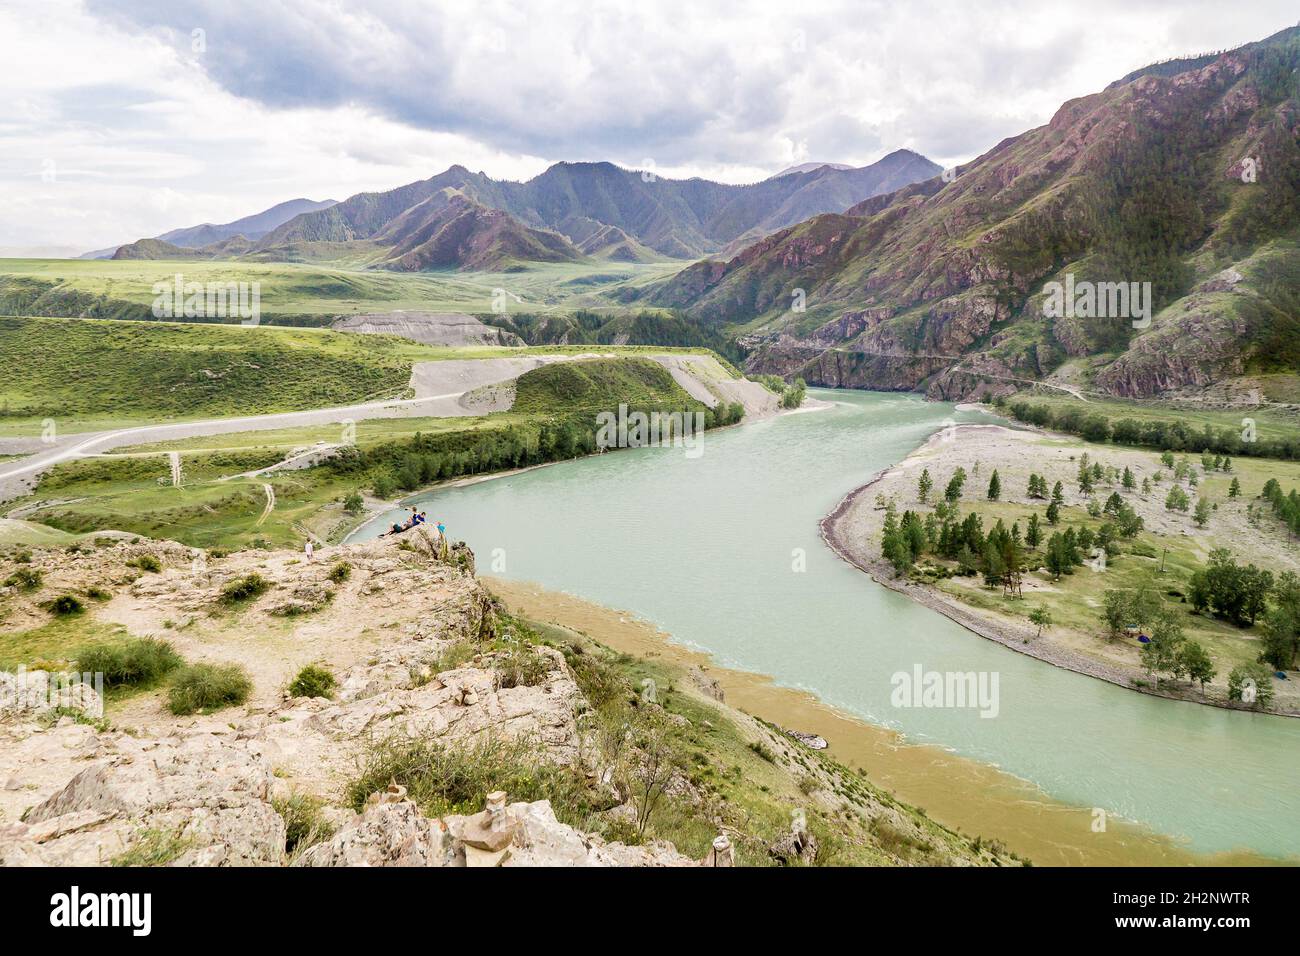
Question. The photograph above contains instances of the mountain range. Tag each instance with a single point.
(1180, 181)
(467, 220)
(1184, 176)
(206, 234)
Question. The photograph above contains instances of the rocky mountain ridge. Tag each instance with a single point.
(1183, 180)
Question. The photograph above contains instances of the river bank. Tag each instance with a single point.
(958, 792)
(852, 531)
(723, 553)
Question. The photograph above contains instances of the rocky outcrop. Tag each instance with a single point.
(203, 791)
(391, 831)
(428, 328)
(194, 800)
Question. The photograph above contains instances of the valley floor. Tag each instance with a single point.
(1161, 558)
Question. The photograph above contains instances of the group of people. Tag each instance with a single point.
(413, 519)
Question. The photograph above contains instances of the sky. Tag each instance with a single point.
(126, 118)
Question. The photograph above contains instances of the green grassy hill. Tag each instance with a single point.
(569, 387)
(73, 369)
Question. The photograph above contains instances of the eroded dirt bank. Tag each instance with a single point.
(960, 793)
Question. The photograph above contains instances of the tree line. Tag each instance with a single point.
(424, 459)
(1151, 433)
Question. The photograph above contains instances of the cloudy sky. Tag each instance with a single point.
(126, 118)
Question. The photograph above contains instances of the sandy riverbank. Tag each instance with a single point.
(852, 530)
(960, 793)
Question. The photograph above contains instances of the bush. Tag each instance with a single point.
(98, 594)
(313, 681)
(455, 779)
(135, 662)
(762, 750)
(146, 562)
(521, 667)
(304, 824)
(208, 687)
(65, 605)
(354, 504)
(340, 572)
(251, 585)
(25, 579)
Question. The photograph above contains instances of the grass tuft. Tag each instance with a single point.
(139, 662)
(208, 687)
(250, 586)
(313, 681)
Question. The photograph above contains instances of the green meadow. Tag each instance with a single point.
(90, 375)
(314, 293)
(131, 490)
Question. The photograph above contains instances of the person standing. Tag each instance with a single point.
(310, 549)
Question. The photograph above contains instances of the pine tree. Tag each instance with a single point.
(1058, 493)
(953, 491)
(995, 486)
(1202, 513)
(1033, 532)
(924, 485)
(1053, 513)
(1234, 489)
(1128, 481)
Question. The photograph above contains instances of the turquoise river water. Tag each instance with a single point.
(705, 549)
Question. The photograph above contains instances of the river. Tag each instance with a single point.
(722, 552)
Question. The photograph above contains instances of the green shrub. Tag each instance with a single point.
(208, 687)
(762, 750)
(340, 572)
(153, 848)
(453, 655)
(25, 579)
(98, 594)
(65, 605)
(304, 824)
(521, 667)
(146, 562)
(455, 779)
(141, 661)
(354, 504)
(313, 681)
(250, 586)
(598, 679)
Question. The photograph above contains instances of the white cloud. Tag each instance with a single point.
(321, 99)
